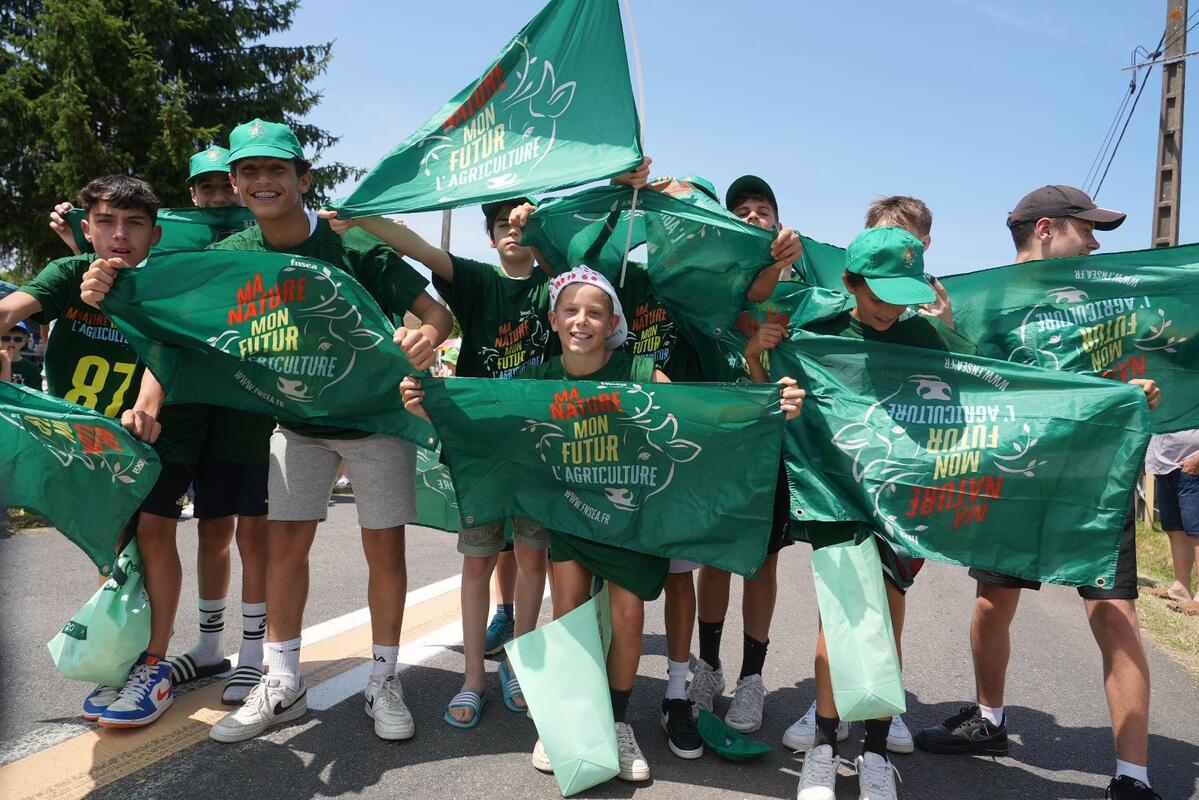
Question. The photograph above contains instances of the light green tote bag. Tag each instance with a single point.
(563, 673)
(867, 682)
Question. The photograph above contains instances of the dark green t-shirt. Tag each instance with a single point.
(915, 331)
(390, 280)
(88, 361)
(27, 373)
(622, 366)
(652, 331)
(505, 325)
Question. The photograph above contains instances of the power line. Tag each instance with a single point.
(1093, 170)
(1137, 99)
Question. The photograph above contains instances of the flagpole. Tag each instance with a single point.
(445, 230)
(628, 243)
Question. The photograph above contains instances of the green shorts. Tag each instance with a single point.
(643, 575)
(484, 541)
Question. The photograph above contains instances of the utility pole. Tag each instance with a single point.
(1169, 138)
(445, 229)
(1168, 190)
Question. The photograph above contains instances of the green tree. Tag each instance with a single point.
(94, 87)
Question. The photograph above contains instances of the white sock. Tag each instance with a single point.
(212, 629)
(676, 679)
(385, 657)
(992, 715)
(283, 661)
(1135, 771)
(253, 633)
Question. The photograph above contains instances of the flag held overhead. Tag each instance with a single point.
(555, 109)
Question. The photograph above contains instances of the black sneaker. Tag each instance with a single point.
(681, 732)
(965, 732)
(1126, 788)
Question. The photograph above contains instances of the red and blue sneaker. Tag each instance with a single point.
(146, 695)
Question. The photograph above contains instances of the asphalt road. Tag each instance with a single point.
(1057, 712)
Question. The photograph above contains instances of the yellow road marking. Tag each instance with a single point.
(87, 762)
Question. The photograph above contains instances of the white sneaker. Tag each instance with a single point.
(541, 762)
(802, 734)
(899, 738)
(876, 777)
(187, 512)
(818, 779)
(342, 483)
(749, 701)
(385, 705)
(269, 703)
(706, 684)
(633, 766)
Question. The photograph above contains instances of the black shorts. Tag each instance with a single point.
(780, 524)
(224, 489)
(172, 483)
(1124, 588)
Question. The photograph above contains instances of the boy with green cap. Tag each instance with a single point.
(884, 271)
(14, 368)
(502, 310)
(230, 483)
(270, 173)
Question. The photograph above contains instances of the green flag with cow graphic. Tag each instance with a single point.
(74, 466)
(436, 505)
(292, 338)
(675, 470)
(554, 109)
(182, 228)
(1117, 315)
(701, 259)
(974, 461)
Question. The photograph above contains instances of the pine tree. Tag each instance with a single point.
(94, 87)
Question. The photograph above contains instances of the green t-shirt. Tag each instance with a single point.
(622, 366)
(504, 320)
(915, 331)
(652, 331)
(88, 361)
(27, 373)
(390, 280)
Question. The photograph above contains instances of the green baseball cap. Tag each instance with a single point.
(214, 159)
(749, 186)
(727, 741)
(892, 262)
(261, 139)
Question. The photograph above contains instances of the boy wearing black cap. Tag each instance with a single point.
(751, 199)
(1059, 222)
(503, 312)
(13, 368)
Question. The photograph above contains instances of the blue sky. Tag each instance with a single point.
(966, 104)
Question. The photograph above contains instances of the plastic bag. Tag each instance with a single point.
(105, 638)
(867, 682)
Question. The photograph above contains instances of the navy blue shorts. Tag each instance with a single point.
(1178, 501)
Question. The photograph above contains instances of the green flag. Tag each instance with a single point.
(289, 337)
(79, 469)
(963, 459)
(553, 110)
(1118, 315)
(182, 228)
(702, 259)
(673, 470)
(436, 505)
(823, 265)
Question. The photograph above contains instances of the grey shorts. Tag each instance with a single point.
(484, 541)
(303, 469)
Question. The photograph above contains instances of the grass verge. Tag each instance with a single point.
(18, 519)
(1176, 633)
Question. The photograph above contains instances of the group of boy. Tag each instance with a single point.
(516, 321)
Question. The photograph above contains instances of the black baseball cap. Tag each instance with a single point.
(1064, 201)
(749, 186)
(492, 210)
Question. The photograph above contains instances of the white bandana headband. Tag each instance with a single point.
(588, 275)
